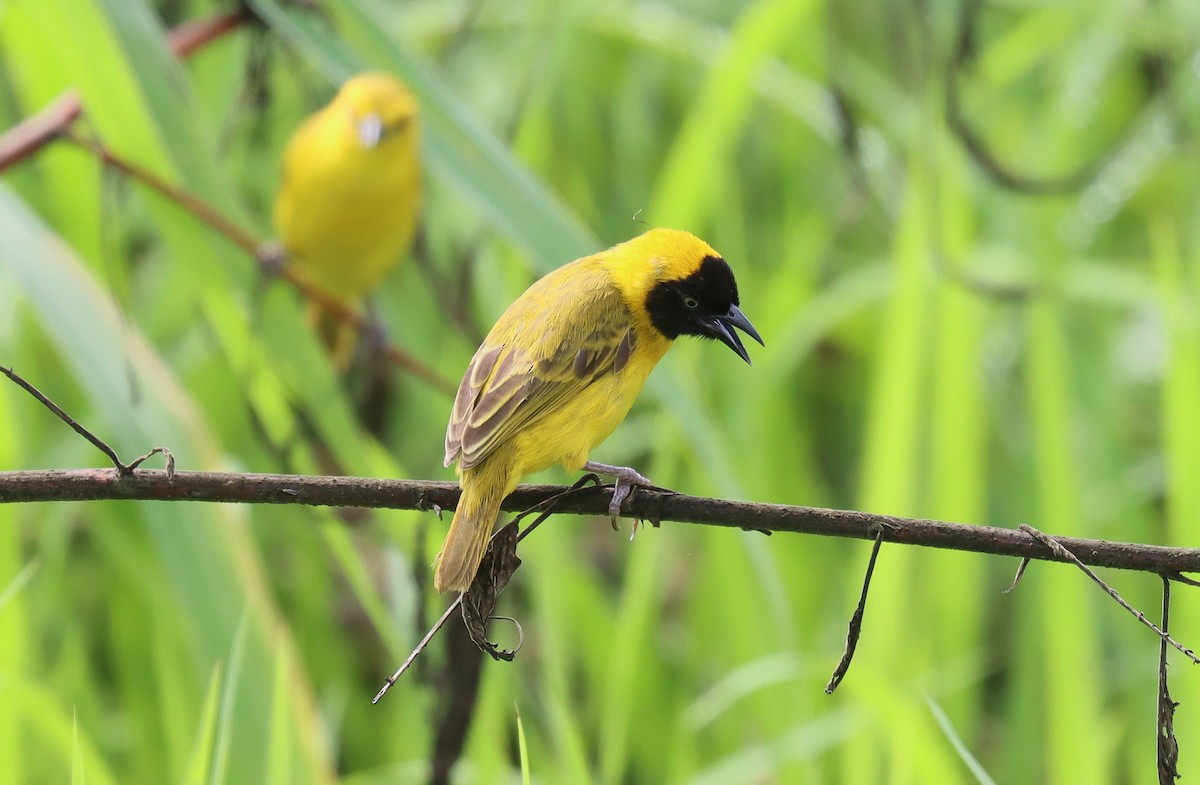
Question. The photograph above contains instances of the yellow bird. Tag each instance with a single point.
(350, 192)
(563, 365)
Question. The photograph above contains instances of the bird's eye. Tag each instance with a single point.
(690, 302)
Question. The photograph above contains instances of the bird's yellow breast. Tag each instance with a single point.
(568, 434)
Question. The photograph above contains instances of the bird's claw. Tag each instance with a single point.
(621, 492)
(626, 480)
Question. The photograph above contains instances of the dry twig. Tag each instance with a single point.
(852, 635)
(1056, 547)
(1168, 747)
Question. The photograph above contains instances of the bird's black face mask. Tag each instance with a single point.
(704, 304)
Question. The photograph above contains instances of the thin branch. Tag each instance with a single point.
(74, 424)
(191, 36)
(990, 163)
(437, 625)
(199, 209)
(1056, 547)
(96, 484)
(36, 131)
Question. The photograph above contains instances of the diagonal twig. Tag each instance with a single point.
(123, 469)
(437, 625)
(547, 507)
(1066, 555)
(36, 131)
(95, 440)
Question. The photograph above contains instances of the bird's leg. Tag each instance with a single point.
(627, 479)
(375, 330)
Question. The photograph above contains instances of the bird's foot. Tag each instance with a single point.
(627, 479)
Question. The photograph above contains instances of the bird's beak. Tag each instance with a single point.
(370, 130)
(720, 327)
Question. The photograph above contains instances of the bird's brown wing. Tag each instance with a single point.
(544, 350)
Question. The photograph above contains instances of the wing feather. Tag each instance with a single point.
(511, 384)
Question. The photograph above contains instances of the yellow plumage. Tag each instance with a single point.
(351, 187)
(563, 365)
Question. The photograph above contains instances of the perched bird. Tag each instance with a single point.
(562, 366)
(350, 192)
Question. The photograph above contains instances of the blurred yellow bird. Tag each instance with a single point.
(350, 191)
(562, 366)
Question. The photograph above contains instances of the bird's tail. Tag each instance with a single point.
(483, 489)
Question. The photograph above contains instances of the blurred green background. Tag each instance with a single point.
(967, 232)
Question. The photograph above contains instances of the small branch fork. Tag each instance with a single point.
(32, 134)
(124, 470)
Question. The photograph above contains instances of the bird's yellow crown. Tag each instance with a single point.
(379, 94)
(637, 265)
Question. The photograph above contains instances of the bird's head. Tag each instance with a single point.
(695, 293)
(380, 106)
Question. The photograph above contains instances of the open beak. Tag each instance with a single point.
(721, 328)
(370, 130)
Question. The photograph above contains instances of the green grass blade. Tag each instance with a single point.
(17, 583)
(52, 725)
(197, 772)
(218, 771)
(977, 771)
(522, 749)
(77, 776)
(694, 174)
